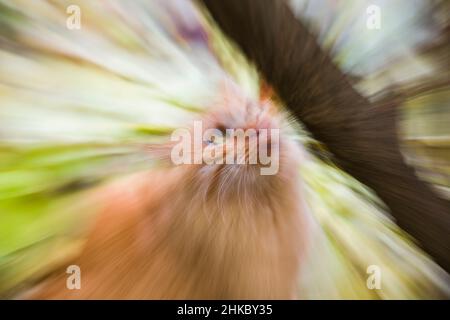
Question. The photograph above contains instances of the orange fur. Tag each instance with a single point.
(197, 231)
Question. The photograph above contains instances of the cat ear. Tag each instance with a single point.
(266, 91)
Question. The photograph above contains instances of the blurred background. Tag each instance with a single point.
(79, 105)
(408, 56)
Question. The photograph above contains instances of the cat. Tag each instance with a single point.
(199, 231)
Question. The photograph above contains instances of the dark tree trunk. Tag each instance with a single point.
(362, 136)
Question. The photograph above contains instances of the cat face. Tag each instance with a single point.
(239, 149)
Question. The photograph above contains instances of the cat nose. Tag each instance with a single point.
(261, 123)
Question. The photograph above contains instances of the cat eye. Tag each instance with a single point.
(215, 140)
